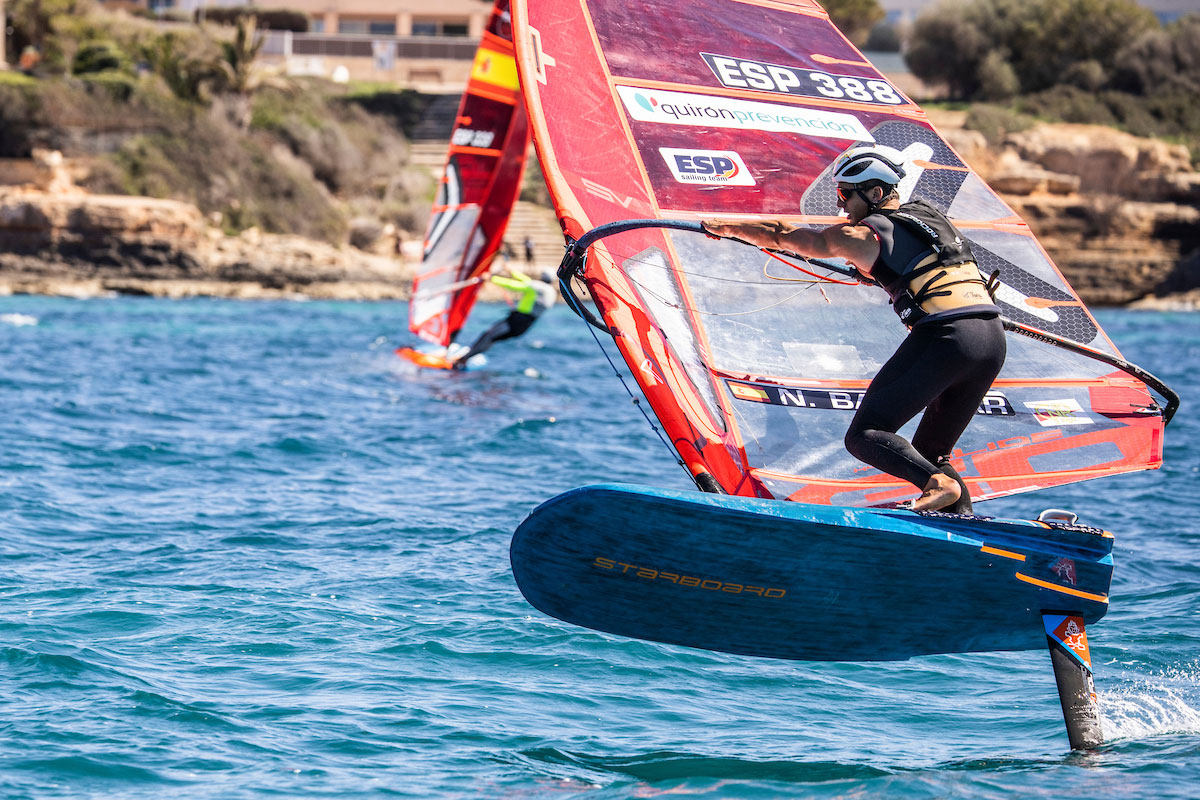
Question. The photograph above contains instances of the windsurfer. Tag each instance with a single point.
(956, 345)
(536, 296)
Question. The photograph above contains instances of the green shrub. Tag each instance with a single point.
(1168, 115)
(1089, 75)
(14, 78)
(207, 163)
(1175, 112)
(406, 107)
(855, 18)
(997, 78)
(183, 61)
(1041, 40)
(947, 48)
(276, 19)
(1068, 104)
(996, 122)
(309, 159)
(100, 56)
(884, 38)
(118, 85)
(1161, 60)
(18, 106)
(33, 23)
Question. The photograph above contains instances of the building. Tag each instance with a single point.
(397, 17)
(429, 44)
(359, 17)
(423, 44)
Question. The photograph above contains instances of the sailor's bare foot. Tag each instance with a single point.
(940, 492)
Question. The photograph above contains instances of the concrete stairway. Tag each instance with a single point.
(437, 122)
(528, 219)
(541, 226)
(431, 155)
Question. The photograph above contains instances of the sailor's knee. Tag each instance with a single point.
(854, 441)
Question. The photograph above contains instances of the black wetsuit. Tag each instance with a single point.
(536, 297)
(515, 324)
(946, 365)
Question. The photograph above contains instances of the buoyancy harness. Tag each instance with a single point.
(942, 247)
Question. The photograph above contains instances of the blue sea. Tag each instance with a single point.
(247, 552)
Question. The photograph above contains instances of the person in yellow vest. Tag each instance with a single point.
(535, 296)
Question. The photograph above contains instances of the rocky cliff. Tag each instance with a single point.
(57, 239)
(1119, 215)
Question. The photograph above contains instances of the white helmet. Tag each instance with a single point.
(864, 164)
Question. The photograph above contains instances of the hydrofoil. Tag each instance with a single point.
(819, 583)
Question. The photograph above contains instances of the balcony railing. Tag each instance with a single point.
(286, 43)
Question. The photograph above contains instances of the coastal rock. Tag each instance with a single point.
(1106, 161)
(971, 145)
(76, 244)
(141, 236)
(1119, 215)
(1011, 174)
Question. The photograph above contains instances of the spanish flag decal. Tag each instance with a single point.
(495, 68)
(745, 392)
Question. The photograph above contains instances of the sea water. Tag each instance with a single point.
(246, 552)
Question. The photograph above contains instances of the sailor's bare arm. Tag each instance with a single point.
(855, 243)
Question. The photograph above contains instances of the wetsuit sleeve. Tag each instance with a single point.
(509, 283)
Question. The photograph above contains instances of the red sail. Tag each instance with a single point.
(736, 109)
(479, 186)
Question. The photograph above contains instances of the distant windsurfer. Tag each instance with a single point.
(956, 345)
(535, 297)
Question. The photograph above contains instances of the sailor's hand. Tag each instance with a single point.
(715, 228)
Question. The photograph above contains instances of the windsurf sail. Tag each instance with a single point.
(737, 109)
(479, 186)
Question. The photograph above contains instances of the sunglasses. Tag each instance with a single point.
(844, 193)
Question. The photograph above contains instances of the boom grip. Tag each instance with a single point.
(1129, 368)
(572, 264)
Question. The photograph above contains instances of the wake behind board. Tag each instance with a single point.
(806, 582)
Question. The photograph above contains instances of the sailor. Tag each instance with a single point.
(955, 347)
(535, 296)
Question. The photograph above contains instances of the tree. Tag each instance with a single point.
(238, 77)
(1041, 41)
(238, 57)
(180, 62)
(1063, 33)
(34, 22)
(946, 47)
(855, 18)
(1162, 60)
(997, 80)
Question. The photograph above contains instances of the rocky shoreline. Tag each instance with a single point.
(1118, 214)
(57, 239)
